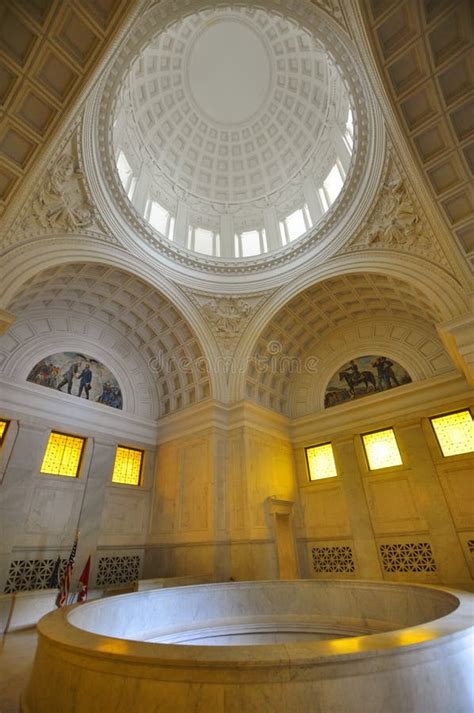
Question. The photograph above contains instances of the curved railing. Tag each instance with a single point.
(419, 657)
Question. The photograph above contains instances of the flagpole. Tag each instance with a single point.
(63, 596)
(92, 445)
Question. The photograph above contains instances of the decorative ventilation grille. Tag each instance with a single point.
(333, 559)
(408, 557)
(25, 575)
(470, 546)
(118, 570)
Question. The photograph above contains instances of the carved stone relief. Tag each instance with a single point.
(60, 203)
(227, 316)
(396, 222)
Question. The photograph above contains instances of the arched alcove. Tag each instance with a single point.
(131, 317)
(336, 319)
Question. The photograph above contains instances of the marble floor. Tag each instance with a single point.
(17, 651)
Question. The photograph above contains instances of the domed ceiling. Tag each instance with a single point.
(233, 132)
(233, 113)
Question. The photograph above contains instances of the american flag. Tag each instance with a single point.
(84, 582)
(65, 583)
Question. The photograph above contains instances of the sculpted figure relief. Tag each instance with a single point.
(395, 222)
(227, 315)
(60, 203)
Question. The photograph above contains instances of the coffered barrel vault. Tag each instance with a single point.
(137, 323)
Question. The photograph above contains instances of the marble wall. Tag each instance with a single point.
(229, 478)
(40, 513)
(410, 522)
(209, 511)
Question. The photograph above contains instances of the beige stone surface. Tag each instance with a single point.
(415, 652)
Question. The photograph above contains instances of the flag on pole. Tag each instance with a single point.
(84, 581)
(53, 582)
(65, 584)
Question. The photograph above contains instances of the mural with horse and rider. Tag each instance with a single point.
(364, 376)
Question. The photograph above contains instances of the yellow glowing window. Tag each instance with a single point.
(63, 455)
(381, 449)
(3, 429)
(321, 462)
(455, 432)
(128, 466)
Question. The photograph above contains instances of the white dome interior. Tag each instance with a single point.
(233, 134)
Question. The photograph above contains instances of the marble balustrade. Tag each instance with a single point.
(100, 656)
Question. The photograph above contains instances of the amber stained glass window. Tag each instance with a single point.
(63, 455)
(3, 429)
(321, 462)
(128, 466)
(455, 432)
(381, 449)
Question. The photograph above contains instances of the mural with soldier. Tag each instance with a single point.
(364, 376)
(78, 375)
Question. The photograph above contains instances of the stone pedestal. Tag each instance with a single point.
(281, 510)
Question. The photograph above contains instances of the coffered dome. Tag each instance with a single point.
(233, 131)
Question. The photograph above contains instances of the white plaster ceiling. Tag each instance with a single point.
(231, 103)
(249, 184)
(146, 319)
(231, 119)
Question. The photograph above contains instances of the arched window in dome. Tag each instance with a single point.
(160, 219)
(324, 199)
(250, 242)
(295, 225)
(333, 183)
(125, 172)
(349, 132)
(204, 241)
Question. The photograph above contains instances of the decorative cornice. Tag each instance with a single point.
(54, 410)
(412, 400)
(210, 416)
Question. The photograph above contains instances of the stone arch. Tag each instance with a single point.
(335, 301)
(27, 343)
(417, 349)
(146, 320)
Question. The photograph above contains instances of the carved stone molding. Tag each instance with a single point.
(394, 222)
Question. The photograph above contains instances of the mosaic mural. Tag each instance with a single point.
(364, 376)
(79, 375)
